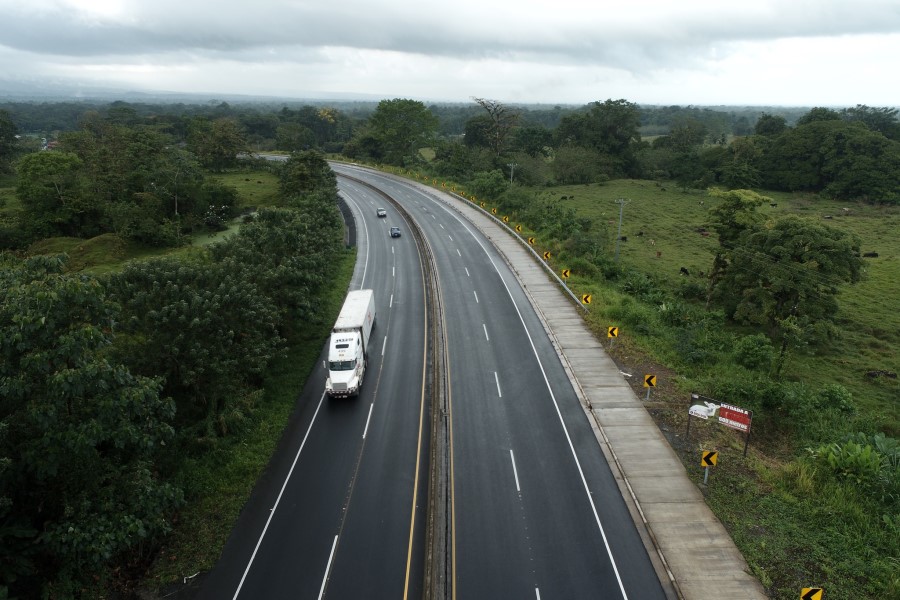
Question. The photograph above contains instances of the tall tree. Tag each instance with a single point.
(609, 127)
(306, 172)
(218, 143)
(51, 191)
(503, 120)
(786, 275)
(770, 124)
(401, 127)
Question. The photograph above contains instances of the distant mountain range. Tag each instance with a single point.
(22, 90)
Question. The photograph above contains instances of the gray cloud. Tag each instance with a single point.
(596, 33)
(575, 45)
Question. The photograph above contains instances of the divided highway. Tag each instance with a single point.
(535, 511)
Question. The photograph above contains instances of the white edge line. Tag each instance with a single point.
(556, 406)
(277, 500)
(328, 568)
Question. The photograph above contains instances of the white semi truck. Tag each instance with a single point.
(348, 350)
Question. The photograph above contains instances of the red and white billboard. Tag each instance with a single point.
(735, 417)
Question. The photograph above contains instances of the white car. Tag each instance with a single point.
(381, 212)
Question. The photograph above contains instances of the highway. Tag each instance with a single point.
(339, 511)
(535, 510)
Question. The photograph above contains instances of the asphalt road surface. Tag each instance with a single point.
(536, 511)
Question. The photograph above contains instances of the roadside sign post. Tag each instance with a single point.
(649, 382)
(612, 333)
(708, 458)
(731, 416)
(738, 418)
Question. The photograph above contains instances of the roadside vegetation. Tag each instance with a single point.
(756, 265)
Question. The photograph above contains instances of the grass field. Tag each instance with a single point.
(661, 219)
(254, 188)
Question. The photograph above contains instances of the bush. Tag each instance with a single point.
(642, 287)
(754, 352)
(640, 317)
(836, 396)
(857, 463)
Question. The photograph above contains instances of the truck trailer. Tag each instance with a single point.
(348, 349)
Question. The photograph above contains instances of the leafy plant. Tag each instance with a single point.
(754, 352)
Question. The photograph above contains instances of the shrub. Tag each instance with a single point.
(837, 397)
(858, 463)
(754, 352)
(640, 317)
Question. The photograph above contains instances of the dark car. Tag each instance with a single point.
(381, 212)
(395, 232)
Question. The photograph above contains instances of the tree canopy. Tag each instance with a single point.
(78, 433)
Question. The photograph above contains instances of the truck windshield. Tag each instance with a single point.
(342, 365)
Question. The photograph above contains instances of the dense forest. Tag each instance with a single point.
(109, 386)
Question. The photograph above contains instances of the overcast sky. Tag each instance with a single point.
(737, 52)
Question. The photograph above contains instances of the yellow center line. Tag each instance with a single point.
(412, 517)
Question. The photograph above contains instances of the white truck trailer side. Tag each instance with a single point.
(348, 349)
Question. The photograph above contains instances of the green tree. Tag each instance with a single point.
(787, 273)
(306, 172)
(533, 140)
(489, 184)
(287, 255)
(81, 431)
(478, 132)
(819, 114)
(205, 329)
(50, 190)
(217, 144)
(843, 159)
(883, 120)
(294, 137)
(8, 141)
(401, 127)
(770, 124)
(733, 215)
(610, 128)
